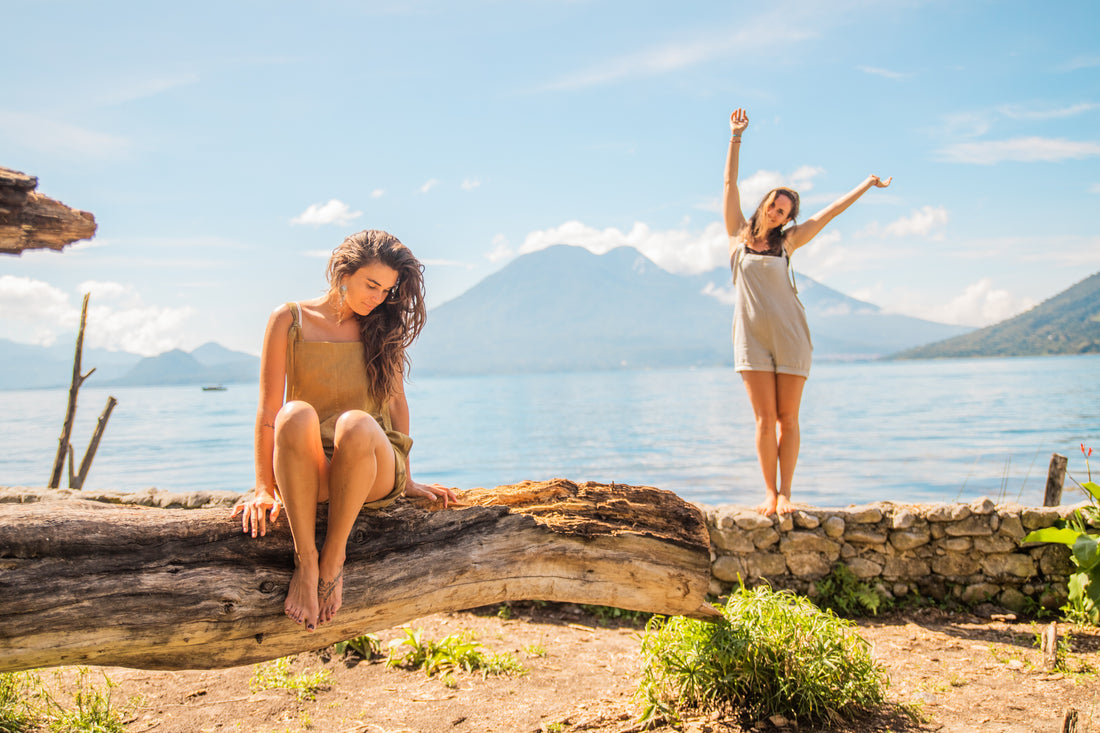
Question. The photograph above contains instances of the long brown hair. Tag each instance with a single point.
(756, 228)
(389, 329)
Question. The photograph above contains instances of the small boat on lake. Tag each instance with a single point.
(214, 388)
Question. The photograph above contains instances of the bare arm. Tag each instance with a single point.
(272, 387)
(807, 230)
(731, 197)
(399, 415)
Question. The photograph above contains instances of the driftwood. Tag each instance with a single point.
(84, 582)
(29, 220)
(64, 445)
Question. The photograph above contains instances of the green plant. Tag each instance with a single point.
(847, 595)
(1084, 584)
(771, 653)
(535, 650)
(277, 675)
(366, 646)
(16, 715)
(92, 710)
(457, 651)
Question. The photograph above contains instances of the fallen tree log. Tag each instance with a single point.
(29, 220)
(83, 582)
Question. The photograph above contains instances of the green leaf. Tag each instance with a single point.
(1092, 488)
(1086, 552)
(1063, 536)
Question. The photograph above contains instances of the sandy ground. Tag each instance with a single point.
(955, 672)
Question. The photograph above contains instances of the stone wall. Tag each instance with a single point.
(968, 552)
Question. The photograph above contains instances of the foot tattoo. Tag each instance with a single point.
(324, 590)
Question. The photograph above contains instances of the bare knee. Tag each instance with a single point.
(788, 422)
(766, 420)
(358, 434)
(295, 422)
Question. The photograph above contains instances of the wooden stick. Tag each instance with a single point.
(70, 411)
(86, 464)
(1056, 477)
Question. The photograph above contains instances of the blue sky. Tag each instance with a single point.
(226, 147)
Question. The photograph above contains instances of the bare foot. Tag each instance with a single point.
(767, 507)
(784, 505)
(301, 599)
(330, 594)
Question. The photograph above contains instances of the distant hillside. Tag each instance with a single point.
(208, 364)
(1068, 323)
(32, 367)
(566, 309)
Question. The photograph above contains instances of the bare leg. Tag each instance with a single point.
(301, 470)
(761, 388)
(788, 402)
(363, 469)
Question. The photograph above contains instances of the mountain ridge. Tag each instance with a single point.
(1065, 323)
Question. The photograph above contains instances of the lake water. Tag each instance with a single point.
(908, 431)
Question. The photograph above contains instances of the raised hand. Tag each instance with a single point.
(739, 121)
(876, 181)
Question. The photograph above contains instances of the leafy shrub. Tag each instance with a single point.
(1084, 584)
(848, 596)
(366, 646)
(457, 651)
(771, 653)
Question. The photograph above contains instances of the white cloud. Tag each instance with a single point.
(470, 184)
(334, 212)
(1094, 188)
(1017, 112)
(924, 222)
(129, 92)
(501, 249)
(1023, 149)
(141, 329)
(722, 293)
(37, 312)
(980, 304)
(754, 188)
(377, 193)
(766, 31)
(885, 73)
(676, 250)
(429, 185)
(59, 138)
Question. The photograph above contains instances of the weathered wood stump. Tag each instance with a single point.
(29, 220)
(84, 582)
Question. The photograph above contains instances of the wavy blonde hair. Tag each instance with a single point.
(389, 329)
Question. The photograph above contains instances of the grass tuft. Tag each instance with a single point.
(772, 653)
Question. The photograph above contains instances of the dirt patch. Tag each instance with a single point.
(956, 671)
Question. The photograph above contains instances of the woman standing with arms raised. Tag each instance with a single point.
(771, 338)
(341, 436)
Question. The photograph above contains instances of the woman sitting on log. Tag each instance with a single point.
(342, 434)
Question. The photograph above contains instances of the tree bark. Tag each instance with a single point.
(90, 583)
(29, 220)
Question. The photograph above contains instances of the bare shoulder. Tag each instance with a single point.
(280, 317)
